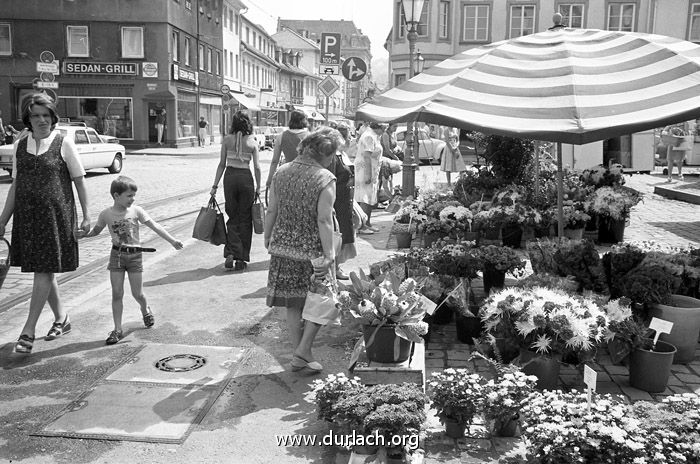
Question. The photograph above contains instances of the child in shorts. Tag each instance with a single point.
(122, 219)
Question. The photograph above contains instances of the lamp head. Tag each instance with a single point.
(412, 10)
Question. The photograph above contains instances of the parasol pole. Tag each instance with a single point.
(560, 192)
(537, 168)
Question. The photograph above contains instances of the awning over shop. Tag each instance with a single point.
(244, 101)
(313, 114)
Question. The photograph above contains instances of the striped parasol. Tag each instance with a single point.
(564, 85)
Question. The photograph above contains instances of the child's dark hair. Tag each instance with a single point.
(241, 123)
(122, 184)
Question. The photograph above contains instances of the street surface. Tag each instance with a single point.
(197, 302)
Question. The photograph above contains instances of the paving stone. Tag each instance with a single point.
(434, 354)
(689, 378)
(680, 368)
(635, 394)
(680, 389)
(674, 381)
(480, 444)
(435, 363)
(433, 346)
(458, 354)
(459, 363)
(619, 370)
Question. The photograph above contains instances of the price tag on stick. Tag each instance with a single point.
(590, 377)
(660, 326)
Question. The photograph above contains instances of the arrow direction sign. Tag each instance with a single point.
(330, 48)
(354, 69)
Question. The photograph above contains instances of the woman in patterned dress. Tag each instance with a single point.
(298, 229)
(367, 164)
(44, 230)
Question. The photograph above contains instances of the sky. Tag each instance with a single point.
(373, 17)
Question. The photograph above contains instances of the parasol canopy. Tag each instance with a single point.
(565, 85)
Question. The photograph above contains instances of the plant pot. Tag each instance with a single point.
(491, 233)
(403, 239)
(505, 427)
(573, 234)
(685, 315)
(363, 454)
(387, 347)
(512, 236)
(493, 278)
(610, 230)
(443, 315)
(453, 428)
(544, 368)
(542, 232)
(649, 370)
(471, 237)
(508, 351)
(468, 328)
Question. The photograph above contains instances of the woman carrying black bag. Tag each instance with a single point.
(237, 150)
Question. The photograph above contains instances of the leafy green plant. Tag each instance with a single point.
(509, 157)
(328, 391)
(580, 258)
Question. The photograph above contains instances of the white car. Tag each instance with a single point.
(96, 151)
(429, 149)
(259, 136)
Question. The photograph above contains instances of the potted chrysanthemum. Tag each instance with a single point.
(455, 395)
(546, 324)
(502, 399)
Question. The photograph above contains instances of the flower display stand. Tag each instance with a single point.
(412, 370)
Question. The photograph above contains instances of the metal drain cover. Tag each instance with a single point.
(180, 363)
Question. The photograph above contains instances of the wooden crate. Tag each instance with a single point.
(412, 370)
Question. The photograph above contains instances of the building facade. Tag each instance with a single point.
(119, 64)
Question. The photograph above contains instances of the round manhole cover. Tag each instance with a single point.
(181, 363)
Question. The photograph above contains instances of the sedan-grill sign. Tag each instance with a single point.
(101, 68)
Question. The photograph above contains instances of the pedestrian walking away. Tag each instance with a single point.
(122, 219)
(451, 160)
(160, 125)
(367, 166)
(237, 150)
(203, 124)
(299, 229)
(44, 240)
(287, 142)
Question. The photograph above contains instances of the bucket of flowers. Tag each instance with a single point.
(406, 221)
(613, 206)
(546, 325)
(391, 313)
(455, 395)
(575, 218)
(503, 397)
(497, 261)
(447, 219)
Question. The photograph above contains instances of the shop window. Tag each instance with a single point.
(132, 42)
(5, 39)
(186, 113)
(78, 41)
(108, 116)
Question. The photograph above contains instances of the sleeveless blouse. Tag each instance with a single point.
(298, 186)
(242, 148)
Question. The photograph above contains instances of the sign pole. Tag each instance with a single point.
(327, 101)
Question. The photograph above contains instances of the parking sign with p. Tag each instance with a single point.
(330, 48)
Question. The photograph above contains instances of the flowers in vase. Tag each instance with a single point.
(545, 321)
(501, 258)
(615, 203)
(455, 394)
(386, 301)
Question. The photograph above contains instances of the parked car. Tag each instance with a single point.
(271, 133)
(96, 151)
(429, 149)
(259, 136)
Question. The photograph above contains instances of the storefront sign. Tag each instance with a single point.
(121, 69)
(149, 69)
(184, 74)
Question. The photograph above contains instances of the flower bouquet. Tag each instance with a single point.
(407, 218)
(501, 258)
(456, 259)
(328, 391)
(549, 322)
(452, 219)
(455, 394)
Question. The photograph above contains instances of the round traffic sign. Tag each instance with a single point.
(47, 57)
(354, 68)
(47, 77)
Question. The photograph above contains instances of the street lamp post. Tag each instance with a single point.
(412, 10)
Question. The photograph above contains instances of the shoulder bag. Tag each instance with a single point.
(258, 212)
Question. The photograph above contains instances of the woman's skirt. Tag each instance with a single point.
(288, 281)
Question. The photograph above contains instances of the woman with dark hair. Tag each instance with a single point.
(343, 206)
(44, 233)
(237, 150)
(288, 141)
(298, 229)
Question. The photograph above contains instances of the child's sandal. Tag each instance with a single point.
(24, 344)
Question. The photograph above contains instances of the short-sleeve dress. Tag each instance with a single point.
(45, 213)
(364, 192)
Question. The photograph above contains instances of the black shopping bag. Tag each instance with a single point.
(218, 237)
(206, 221)
(258, 212)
